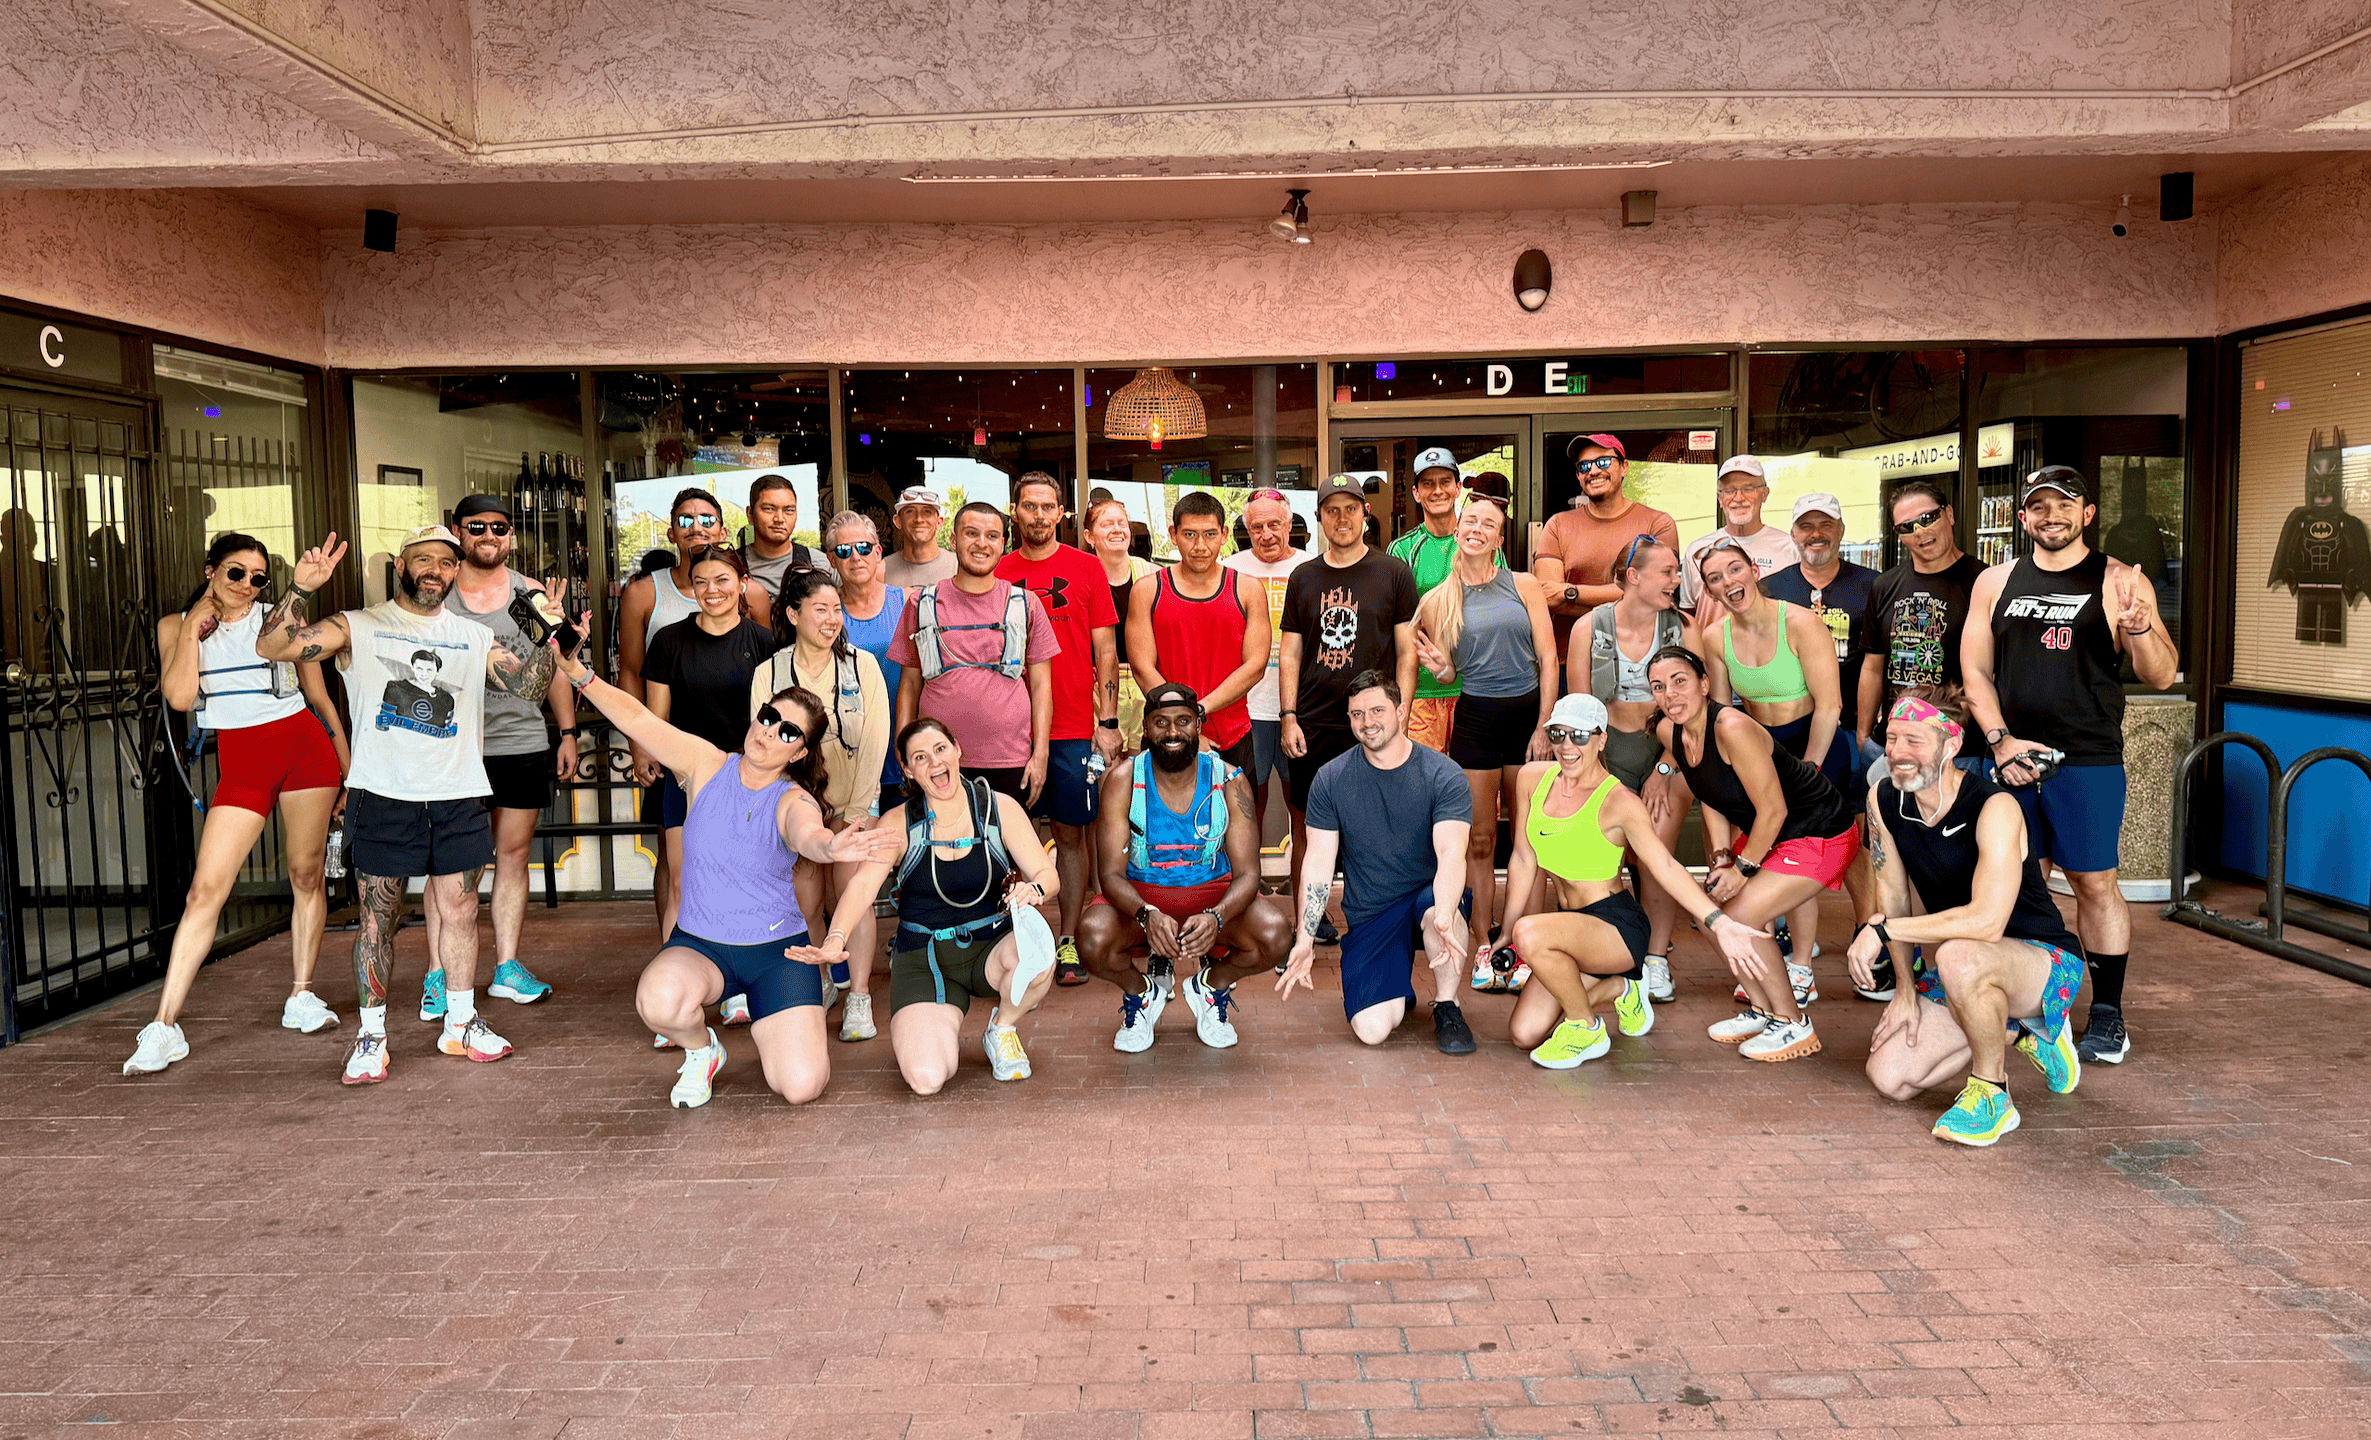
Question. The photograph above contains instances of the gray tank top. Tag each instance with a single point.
(513, 726)
(769, 573)
(667, 605)
(1495, 657)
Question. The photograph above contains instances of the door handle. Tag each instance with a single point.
(15, 672)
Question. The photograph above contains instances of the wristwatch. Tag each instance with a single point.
(1662, 767)
(1112, 723)
(1572, 594)
(1141, 912)
(1995, 737)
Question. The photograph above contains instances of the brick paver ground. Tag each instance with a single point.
(1294, 1238)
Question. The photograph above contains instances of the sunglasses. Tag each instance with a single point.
(1269, 495)
(485, 527)
(771, 719)
(1602, 464)
(1917, 523)
(861, 547)
(240, 575)
(697, 522)
(1566, 735)
(1630, 555)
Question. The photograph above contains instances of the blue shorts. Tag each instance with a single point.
(1267, 752)
(1067, 798)
(773, 982)
(2075, 819)
(1379, 952)
(673, 803)
(1836, 765)
(2058, 992)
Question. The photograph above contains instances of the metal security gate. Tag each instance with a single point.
(84, 743)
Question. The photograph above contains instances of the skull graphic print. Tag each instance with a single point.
(1337, 628)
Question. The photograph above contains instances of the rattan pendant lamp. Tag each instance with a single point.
(1153, 407)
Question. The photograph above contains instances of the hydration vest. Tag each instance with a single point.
(1605, 651)
(1207, 823)
(984, 827)
(1016, 635)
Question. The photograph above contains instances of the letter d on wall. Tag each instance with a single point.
(1498, 379)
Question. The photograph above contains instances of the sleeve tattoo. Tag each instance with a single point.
(1313, 911)
(374, 941)
(525, 673)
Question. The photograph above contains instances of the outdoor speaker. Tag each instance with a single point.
(2173, 195)
(378, 231)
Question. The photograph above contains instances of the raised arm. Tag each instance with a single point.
(684, 754)
(2131, 603)
(285, 635)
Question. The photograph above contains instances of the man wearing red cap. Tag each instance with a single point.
(1579, 548)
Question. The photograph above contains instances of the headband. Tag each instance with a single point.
(1912, 710)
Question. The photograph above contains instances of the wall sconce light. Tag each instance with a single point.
(378, 231)
(1534, 278)
(1638, 208)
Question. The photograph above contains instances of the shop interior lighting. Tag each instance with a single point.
(1153, 407)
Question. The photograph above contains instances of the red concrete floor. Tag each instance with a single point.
(1294, 1238)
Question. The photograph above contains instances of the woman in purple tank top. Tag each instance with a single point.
(748, 818)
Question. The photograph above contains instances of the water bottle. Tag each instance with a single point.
(333, 855)
(1096, 765)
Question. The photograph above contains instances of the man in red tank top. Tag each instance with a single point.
(1203, 625)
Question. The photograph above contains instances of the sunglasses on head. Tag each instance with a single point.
(485, 527)
(771, 719)
(1630, 555)
(698, 522)
(860, 547)
(1600, 464)
(1567, 735)
(1269, 495)
(241, 575)
(1918, 522)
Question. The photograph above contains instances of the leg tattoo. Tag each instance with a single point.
(374, 943)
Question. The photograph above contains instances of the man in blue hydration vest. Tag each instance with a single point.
(1180, 854)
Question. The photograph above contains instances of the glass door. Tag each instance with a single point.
(1382, 453)
(1673, 454)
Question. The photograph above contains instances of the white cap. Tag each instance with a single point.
(428, 535)
(1821, 501)
(920, 495)
(1740, 465)
(1579, 712)
(1434, 457)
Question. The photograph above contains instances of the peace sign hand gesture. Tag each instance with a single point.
(315, 567)
(2133, 615)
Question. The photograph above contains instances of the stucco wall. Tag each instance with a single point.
(2296, 248)
(186, 261)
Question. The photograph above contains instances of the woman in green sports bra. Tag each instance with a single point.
(1577, 822)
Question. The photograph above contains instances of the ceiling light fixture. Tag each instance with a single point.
(1290, 222)
(1153, 407)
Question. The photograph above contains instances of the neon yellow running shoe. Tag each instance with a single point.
(1982, 1115)
(1573, 1044)
(1633, 1011)
(2056, 1058)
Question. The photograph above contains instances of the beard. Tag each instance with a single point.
(2056, 543)
(1174, 759)
(411, 587)
(1925, 778)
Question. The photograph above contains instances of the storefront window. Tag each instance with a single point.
(964, 433)
(1262, 422)
(1853, 423)
(1530, 377)
(662, 432)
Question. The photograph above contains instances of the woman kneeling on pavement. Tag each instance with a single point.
(1580, 817)
(964, 858)
(748, 819)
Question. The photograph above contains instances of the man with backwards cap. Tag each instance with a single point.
(1581, 550)
(1739, 490)
(1180, 853)
(415, 801)
(1998, 960)
(919, 560)
(2042, 658)
(1429, 551)
(521, 761)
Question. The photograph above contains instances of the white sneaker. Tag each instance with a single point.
(660, 1042)
(366, 1063)
(1659, 979)
(304, 1012)
(1006, 1059)
(1486, 977)
(1806, 984)
(856, 1019)
(1739, 1028)
(1210, 1013)
(694, 1080)
(734, 1010)
(473, 1039)
(1137, 1014)
(159, 1045)
(1519, 977)
(1782, 1040)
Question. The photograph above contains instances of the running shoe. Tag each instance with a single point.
(1573, 1044)
(1067, 969)
(734, 1010)
(1034, 953)
(1450, 1031)
(1488, 978)
(159, 1045)
(1981, 1115)
(1784, 934)
(473, 1039)
(366, 1063)
(1659, 980)
(695, 1081)
(2060, 1062)
(856, 1019)
(1633, 1010)
(432, 996)
(1006, 1059)
(1135, 1035)
(2105, 1040)
(1326, 934)
(1781, 1040)
(1806, 984)
(1742, 1026)
(304, 1012)
(515, 983)
(1882, 973)
(1518, 977)
(1160, 973)
(661, 1042)
(1210, 1012)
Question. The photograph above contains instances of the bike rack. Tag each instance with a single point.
(2269, 934)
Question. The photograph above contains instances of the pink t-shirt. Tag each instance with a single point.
(988, 714)
(1069, 583)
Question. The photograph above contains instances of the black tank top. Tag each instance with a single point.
(1812, 805)
(2054, 661)
(1941, 860)
(942, 894)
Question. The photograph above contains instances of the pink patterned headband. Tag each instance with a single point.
(1912, 710)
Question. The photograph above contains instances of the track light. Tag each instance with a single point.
(1292, 223)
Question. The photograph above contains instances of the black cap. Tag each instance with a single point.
(1170, 692)
(481, 505)
(1341, 485)
(2065, 479)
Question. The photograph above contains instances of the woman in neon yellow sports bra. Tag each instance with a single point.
(1575, 826)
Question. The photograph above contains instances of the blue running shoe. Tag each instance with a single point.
(1981, 1116)
(513, 982)
(2061, 1066)
(432, 997)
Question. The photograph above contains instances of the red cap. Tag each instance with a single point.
(1602, 442)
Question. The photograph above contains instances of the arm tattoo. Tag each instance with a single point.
(1876, 849)
(374, 942)
(288, 615)
(524, 673)
(309, 653)
(1313, 912)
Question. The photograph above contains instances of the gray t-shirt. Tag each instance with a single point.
(769, 573)
(906, 575)
(513, 726)
(1385, 819)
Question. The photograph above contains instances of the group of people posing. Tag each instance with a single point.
(865, 738)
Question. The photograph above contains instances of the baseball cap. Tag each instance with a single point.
(1579, 712)
(1821, 501)
(481, 505)
(2065, 479)
(1578, 443)
(425, 534)
(1739, 465)
(1487, 485)
(1333, 485)
(1170, 692)
(1433, 457)
(920, 495)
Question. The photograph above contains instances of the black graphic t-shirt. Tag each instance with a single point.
(1839, 605)
(1911, 628)
(1344, 616)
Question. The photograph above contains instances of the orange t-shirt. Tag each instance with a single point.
(1590, 548)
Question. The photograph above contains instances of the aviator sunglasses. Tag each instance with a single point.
(772, 719)
(1598, 464)
(860, 547)
(1917, 523)
(1567, 735)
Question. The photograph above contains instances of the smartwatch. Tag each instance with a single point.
(1111, 724)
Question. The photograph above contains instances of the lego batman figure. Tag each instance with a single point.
(2325, 554)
